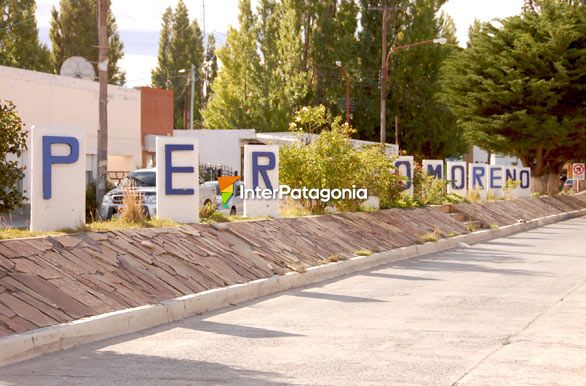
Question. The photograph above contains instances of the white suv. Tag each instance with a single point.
(144, 181)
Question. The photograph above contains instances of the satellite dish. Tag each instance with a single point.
(78, 67)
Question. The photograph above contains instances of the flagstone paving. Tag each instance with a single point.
(51, 280)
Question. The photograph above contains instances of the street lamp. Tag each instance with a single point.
(385, 75)
(192, 80)
(339, 64)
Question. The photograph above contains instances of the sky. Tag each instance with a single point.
(139, 22)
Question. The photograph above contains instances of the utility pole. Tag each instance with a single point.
(103, 7)
(383, 83)
(192, 96)
(396, 130)
(384, 71)
(347, 77)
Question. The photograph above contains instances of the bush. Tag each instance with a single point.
(132, 211)
(12, 144)
(427, 189)
(331, 162)
(207, 211)
(510, 186)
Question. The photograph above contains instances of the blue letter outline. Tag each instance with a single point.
(49, 159)
(262, 169)
(170, 170)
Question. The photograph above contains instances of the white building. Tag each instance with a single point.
(55, 101)
(220, 147)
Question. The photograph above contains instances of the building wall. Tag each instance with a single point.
(156, 118)
(219, 147)
(61, 102)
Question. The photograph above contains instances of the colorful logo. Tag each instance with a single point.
(227, 188)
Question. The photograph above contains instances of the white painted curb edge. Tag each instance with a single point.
(19, 347)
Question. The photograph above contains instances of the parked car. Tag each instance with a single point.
(144, 182)
(235, 205)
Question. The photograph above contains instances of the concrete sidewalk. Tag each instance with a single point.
(507, 311)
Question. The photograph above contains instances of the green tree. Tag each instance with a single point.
(74, 32)
(161, 75)
(427, 128)
(236, 94)
(333, 38)
(180, 46)
(367, 114)
(19, 37)
(282, 81)
(520, 87)
(210, 66)
(12, 144)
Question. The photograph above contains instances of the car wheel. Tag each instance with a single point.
(233, 211)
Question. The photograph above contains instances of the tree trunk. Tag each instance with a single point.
(546, 184)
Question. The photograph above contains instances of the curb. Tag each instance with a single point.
(19, 347)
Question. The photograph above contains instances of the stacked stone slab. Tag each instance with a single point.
(50, 280)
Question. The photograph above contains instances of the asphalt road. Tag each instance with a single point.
(510, 311)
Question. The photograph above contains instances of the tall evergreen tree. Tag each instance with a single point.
(210, 66)
(427, 128)
(322, 49)
(343, 48)
(367, 116)
(292, 77)
(236, 92)
(520, 88)
(180, 46)
(282, 81)
(161, 76)
(74, 32)
(19, 37)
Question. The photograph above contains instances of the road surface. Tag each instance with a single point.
(509, 311)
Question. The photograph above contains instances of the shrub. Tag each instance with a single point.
(474, 195)
(12, 144)
(207, 211)
(132, 211)
(509, 187)
(427, 189)
(428, 237)
(330, 161)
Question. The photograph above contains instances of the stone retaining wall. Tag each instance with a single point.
(50, 280)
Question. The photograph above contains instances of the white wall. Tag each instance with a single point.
(504, 160)
(59, 102)
(288, 138)
(482, 156)
(219, 147)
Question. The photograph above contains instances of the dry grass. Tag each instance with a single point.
(428, 237)
(98, 226)
(363, 252)
(474, 195)
(292, 209)
(132, 211)
(120, 224)
(491, 196)
(20, 233)
(332, 259)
